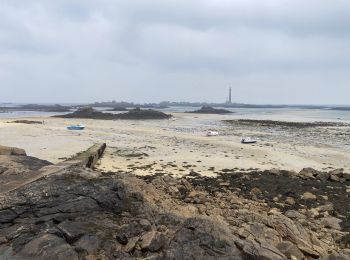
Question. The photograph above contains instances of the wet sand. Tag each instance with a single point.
(180, 147)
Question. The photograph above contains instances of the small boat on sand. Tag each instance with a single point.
(212, 133)
(76, 127)
(248, 140)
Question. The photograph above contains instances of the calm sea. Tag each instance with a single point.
(282, 114)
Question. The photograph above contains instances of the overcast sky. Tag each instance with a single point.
(268, 51)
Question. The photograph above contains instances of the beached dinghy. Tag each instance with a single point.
(76, 127)
(212, 133)
(248, 140)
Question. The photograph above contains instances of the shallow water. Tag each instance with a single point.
(278, 114)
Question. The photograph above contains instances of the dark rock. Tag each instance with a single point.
(48, 247)
(135, 114)
(210, 110)
(308, 173)
(323, 176)
(139, 114)
(88, 243)
(153, 241)
(346, 176)
(146, 225)
(29, 122)
(129, 231)
(200, 239)
(282, 124)
(7, 215)
(77, 213)
(72, 230)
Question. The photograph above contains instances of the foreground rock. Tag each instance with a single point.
(135, 114)
(78, 213)
(5, 150)
(210, 110)
(19, 170)
(17, 167)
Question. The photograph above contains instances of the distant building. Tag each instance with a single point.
(229, 101)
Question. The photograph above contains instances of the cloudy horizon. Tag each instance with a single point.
(269, 52)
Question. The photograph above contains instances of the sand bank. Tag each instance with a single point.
(179, 147)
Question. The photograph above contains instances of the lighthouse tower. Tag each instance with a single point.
(230, 96)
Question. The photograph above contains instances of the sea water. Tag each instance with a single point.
(278, 114)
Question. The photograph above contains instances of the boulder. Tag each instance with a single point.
(290, 201)
(308, 196)
(153, 241)
(72, 230)
(308, 173)
(290, 250)
(4, 150)
(198, 238)
(47, 247)
(334, 178)
(346, 176)
(323, 176)
(88, 243)
(332, 222)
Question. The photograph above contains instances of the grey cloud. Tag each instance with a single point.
(153, 50)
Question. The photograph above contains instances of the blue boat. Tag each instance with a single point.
(76, 127)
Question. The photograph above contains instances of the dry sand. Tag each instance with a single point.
(176, 147)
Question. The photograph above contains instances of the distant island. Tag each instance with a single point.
(210, 110)
(134, 114)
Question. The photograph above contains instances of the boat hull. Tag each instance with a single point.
(75, 127)
(248, 142)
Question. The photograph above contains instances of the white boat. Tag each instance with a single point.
(248, 140)
(76, 127)
(212, 133)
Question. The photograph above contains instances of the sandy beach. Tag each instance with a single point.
(179, 147)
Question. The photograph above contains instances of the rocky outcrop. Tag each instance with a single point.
(210, 110)
(283, 124)
(16, 171)
(135, 114)
(28, 122)
(142, 114)
(77, 213)
(4, 150)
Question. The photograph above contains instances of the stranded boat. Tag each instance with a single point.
(76, 127)
(248, 140)
(212, 133)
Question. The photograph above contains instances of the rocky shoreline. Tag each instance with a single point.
(38, 108)
(79, 213)
(271, 123)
